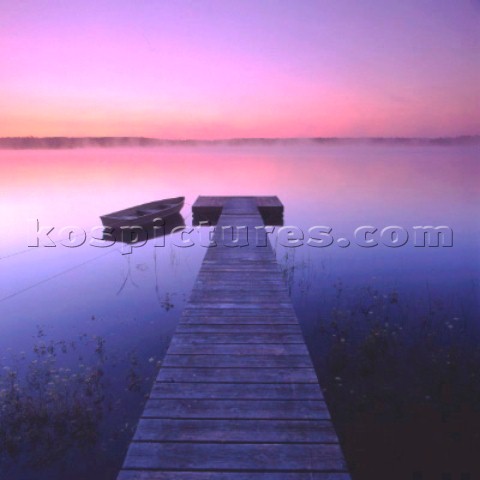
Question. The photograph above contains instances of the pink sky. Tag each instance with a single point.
(219, 69)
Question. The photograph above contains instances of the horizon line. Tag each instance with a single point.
(66, 142)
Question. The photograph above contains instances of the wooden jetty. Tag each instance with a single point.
(237, 396)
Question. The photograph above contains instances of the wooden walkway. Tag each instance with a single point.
(236, 396)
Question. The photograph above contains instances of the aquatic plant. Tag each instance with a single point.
(57, 400)
(398, 371)
(46, 408)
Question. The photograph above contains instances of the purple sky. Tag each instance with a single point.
(217, 69)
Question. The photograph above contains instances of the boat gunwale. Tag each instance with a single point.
(173, 201)
(175, 204)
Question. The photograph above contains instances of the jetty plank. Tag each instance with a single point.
(237, 375)
(163, 475)
(238, 361)
(234, 431)
(239, 391)
(242, 456)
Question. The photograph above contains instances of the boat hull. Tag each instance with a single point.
(144, 215)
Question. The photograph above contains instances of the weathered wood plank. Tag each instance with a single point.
(230, 338)
(247, 431)
(236, 409)
(239, 306)
(244, 329)
(184, 348)
(201, 456)
(263, 254)
(189, 475)
(240, 277)
(262, 301)
(236, 288)
(240, 268)
(237, 375)
(238, 361)
(224, 295)
(208, 311)
(239, 391)
(239, 283)
(224, 262)
(203, 319)
(244, 284)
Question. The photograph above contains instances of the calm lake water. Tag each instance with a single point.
(393, 331)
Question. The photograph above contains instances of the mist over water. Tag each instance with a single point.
(62, 308)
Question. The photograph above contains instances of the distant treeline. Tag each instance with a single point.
(82, 142)
(112, 142)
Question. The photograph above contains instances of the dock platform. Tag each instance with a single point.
(237, 396)
(209, 209)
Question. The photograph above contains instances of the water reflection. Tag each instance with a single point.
(160, 228)
(386, 327)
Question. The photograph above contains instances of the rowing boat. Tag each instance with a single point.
(143, 215)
